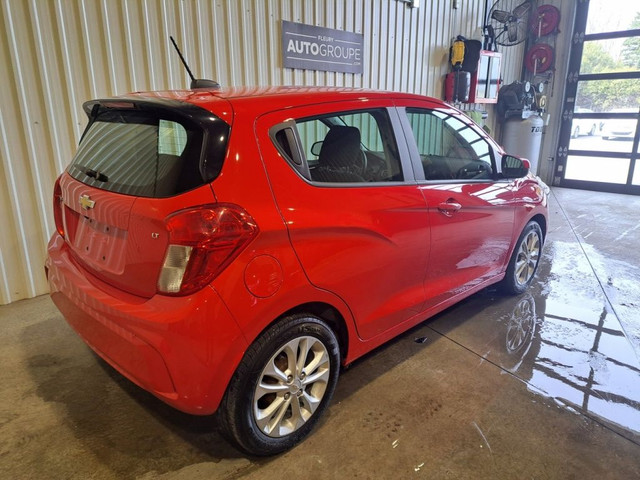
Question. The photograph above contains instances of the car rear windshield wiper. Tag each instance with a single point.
(101, 177)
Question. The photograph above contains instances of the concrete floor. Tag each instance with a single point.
(545, 385)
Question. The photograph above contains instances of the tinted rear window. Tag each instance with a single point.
(146, 153)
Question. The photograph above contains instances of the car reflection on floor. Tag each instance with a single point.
(582, 364)
(521, 328)
(583, 358)
(563, 340)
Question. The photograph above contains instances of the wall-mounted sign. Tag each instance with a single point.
(318, 48)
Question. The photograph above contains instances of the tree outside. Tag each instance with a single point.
(630, 53)
(606, 95)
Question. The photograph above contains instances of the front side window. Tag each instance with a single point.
(449, 148)
(349, 147)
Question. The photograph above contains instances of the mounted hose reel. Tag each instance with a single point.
(539, 58)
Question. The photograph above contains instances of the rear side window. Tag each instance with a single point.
(347, 147)
(145, 153)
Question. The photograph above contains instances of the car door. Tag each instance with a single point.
(362, 235)
(471, 212)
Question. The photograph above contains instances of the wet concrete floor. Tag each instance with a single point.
(545, 385)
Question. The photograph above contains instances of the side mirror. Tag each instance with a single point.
(514, 167)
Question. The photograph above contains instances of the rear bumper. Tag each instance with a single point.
(181, 349)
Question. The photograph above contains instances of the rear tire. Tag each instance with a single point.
(282, 386)
(524, 260)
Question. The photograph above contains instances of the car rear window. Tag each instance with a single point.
(147, 153)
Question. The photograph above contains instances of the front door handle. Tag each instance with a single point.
(449, 207)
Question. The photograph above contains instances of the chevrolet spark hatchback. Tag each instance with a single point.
(229, 250)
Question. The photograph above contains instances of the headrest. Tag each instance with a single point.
(340, 147)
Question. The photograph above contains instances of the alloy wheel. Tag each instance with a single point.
(528, 256)
(291, 386)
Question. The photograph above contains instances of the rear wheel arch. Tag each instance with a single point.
(228, 411)
(259, 413)
(326, 312)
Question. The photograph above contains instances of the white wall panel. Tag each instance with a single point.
(56, 54)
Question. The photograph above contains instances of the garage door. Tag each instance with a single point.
(598, 146)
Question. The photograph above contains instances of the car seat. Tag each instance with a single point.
(340, 156)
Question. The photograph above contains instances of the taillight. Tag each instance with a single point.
(57, 207)
(203, 241)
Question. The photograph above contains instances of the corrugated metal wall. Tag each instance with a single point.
(55, 54)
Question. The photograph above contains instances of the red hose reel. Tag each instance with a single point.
(546, 21)
(539, 58)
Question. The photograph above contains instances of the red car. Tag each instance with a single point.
(229, 250)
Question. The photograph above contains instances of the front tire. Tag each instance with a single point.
(282, 386)
(524, 260)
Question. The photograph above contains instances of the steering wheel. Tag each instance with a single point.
(360, 166)
(472, 170)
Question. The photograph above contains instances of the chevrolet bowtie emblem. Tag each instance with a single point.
(86, 202)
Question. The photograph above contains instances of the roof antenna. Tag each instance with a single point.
(195, 82)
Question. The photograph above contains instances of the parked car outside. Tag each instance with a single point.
(229, 249)
(583, 126)
(620, 127)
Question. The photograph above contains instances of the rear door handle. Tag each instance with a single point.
(449, 207)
